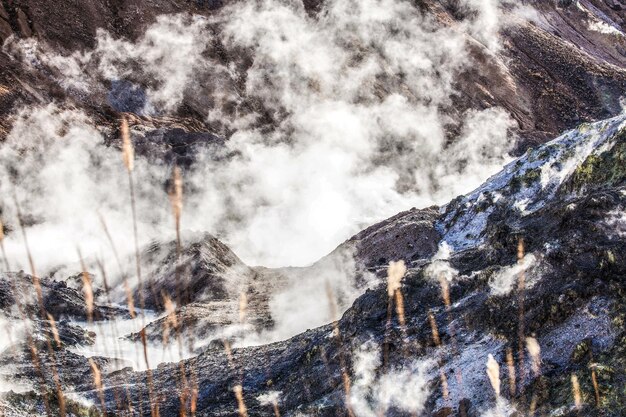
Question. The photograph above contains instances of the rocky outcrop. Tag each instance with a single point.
(18, 291)
(410, 236)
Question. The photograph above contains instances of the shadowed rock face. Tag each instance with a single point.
(60, 300)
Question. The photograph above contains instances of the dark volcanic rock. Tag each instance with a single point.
(573, 266)
(410, 236)
(125, 96)
(177, 146)
(59, 300)
(538, 250)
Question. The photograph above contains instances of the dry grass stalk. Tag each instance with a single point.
(107, 292)
(194, 393)
(231, 363)
(176, 200)
(346, 388)
(400, 310)
(444, 385)
(116, 347)
(154, 406)
(166, 332)
(594, 381)
(395, 273)
(97, 381)
(176, 193)
(87, 289)
(127, 146)
(129, 294)
(434, 329)
(445, 295)
(184, 390)
(243, 307)
(275, 407)
(229, 353)
(578, 402)
(55, 331)
(171, 322)
(128, 158)
(243, 411)
(387, 332)
(533, 405)
(535, 354)
(194, 400)
(511, 367)
(170, 309)
(34, 355)
(342, 362)
(130, 300)
(521, 287)
(493, 372)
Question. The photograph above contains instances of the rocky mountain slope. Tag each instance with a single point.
(571, 222)
(537, 251)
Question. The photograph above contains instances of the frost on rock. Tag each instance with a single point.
(526, 184)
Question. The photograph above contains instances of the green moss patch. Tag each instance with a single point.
(605, 169)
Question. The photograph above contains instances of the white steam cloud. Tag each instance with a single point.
(307, 297)
(373, 394)
(503, 281)
(55, 164)
(357, 91)
(440, 268)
